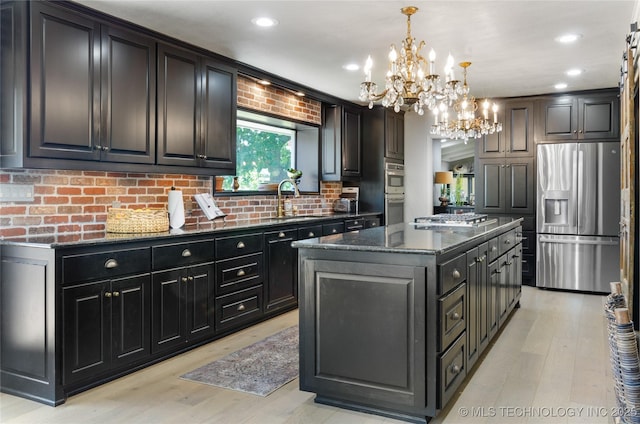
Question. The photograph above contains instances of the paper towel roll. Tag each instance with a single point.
(176, 209)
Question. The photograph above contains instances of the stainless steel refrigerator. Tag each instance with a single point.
(578, 214)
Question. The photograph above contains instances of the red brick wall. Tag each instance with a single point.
(77, 201)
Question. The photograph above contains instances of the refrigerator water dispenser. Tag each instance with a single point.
(556, 211)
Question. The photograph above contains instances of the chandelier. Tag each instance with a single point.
(410, 80)
(465, 124)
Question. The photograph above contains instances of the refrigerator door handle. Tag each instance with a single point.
(579, 193)
(573, 241)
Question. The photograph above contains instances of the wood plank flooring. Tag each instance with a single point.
(551, 359)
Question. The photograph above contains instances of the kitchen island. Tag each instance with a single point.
(393, 318)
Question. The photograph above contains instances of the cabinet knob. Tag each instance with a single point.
(240, 273)
(455, 316)
(116, 294)
(186, 253)
(508, 263)
(455, 369)
(497, 271)
(107, 294)
(455, 274)
(184, 279)
(281, 234)
(574, 131)
(374, 224)
(240, 245)
(483, 258)
(311, 234)
(111, 263)
(493, 248)
(190, 278)
(334, 231)
(105, 148)
(241, 307)
(507, 241)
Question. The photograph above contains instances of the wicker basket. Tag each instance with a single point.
(137, 220)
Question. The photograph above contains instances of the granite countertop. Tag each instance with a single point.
(214, 227)
(409, 238)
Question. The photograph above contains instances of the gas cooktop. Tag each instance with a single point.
(469, 219)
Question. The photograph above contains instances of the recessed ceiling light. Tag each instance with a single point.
(560, 86)
(351, 67)
(574, 72)
(568, 38)
(264, 22)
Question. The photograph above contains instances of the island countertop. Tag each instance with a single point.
(410, 238)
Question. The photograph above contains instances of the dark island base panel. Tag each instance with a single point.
(396, 415)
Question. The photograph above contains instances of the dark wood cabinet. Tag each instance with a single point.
(92, 89)
(505, 187)
(281, 260)
(394, 135)
(106, 326)
(341, 142)
(196, 110)
(517, 137)
(183, 306)
(477, 297)
(589, 116)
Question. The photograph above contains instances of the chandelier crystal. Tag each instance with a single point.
(465, 124)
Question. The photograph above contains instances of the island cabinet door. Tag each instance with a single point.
(363, 328)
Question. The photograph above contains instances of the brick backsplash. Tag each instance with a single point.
(77, 201)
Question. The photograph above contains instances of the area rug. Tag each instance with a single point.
(260, 368)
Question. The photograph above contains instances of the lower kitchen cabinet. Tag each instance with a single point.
(281, 287)
(183, 306)
(106, 325)
(477, 301)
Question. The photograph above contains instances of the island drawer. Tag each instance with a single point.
(109, 264)
(452, 370)
(452, 273)
(506, 241)
(452, 313)
(238, 273)
(228, 247)
(237, 308)
(310, 231)
(181, 254)
(354, 224)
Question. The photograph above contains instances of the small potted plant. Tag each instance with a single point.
(293, 173)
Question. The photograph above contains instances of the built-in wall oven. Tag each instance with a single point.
(393, 177)
(393, 192)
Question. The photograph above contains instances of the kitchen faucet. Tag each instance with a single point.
(280, 201)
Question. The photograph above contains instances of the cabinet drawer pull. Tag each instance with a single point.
(184, 279)
(455, 316)
(240, 273)
(508, 263)
(116, 294)
(241, 307)
(455, 369)
(515, 256)
(311, 234)
(455, 274)
(107, 294)
(281, 234)
(111, 263)
(186, 253)
(497, 271)
(493, 248)
(240, 245)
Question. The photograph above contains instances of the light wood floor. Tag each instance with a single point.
(551, 359)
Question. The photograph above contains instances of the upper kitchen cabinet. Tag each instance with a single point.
(341, 142)
(92, 89)
(196, 110)
(394, 135)
(588, 116)
(505, 186)
(516, 139)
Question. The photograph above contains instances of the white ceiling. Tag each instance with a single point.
(511, 43)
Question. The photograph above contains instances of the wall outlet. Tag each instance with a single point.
(16, 193)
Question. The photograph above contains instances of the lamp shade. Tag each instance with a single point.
(444, 177)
